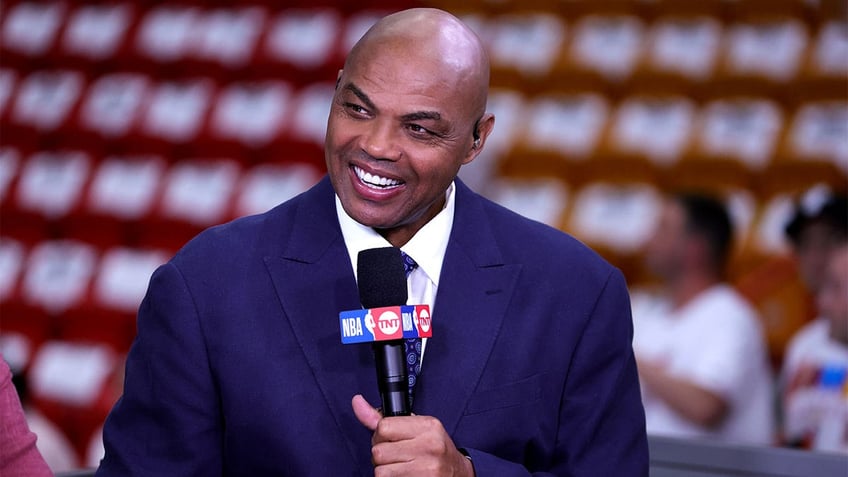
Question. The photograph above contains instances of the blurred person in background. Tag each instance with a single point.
(19, 456)
(815, 374)
(699, 346)
(784, 288)
(820, 223)
(53, 444)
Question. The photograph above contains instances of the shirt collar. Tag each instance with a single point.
(427, 247)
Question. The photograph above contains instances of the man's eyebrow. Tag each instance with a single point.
(422, 115)
(361, 95)
(416, 116)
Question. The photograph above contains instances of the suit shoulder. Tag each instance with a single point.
(241, 237)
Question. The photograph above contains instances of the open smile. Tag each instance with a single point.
(374, 181)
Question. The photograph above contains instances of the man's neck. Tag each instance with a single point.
(400, 235)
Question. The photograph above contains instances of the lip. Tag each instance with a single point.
(370, 193)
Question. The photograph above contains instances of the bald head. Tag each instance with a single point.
(408, 112)
(435, 38)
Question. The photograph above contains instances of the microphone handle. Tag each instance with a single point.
(392, 377)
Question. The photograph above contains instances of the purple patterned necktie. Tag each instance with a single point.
(412, 346)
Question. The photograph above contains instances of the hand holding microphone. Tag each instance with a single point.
(385, 321)
(402, 444)
(410, 445)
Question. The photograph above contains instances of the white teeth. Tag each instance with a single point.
(373, 180)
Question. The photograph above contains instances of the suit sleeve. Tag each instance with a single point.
(601, 421)
(168, 420)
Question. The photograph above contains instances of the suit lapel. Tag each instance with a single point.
(475, 288)
(314, 281)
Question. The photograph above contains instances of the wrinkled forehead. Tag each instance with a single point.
(429, 48)
(443, 52)
(407, 69)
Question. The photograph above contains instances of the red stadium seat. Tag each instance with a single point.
(176, 115)
(121, 194)
(826, 66)
(58, 274)
(762, 57)
(164, 35)
(44, 102)
(524, 47)
(268, 185)
(559, 134)
(813, 149)
(308, 125)
(113, 106)
(736, 139)
(199, 191)
(248, 119)
(681, 55)
(48, 193)
(633, 141)
(126, 187)
(300, 45)
(29, 32)
(122, 279)
(226, 39)
(196, 194)
(542, 199)
(605, 49)
(96, 33)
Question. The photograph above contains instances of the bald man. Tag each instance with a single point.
(238, 369)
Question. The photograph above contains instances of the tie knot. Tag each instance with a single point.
(408, 263)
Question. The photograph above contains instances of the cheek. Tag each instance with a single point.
(433, 169)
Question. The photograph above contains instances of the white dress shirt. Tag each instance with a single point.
(427, 247)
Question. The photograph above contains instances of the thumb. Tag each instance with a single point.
(367, 415)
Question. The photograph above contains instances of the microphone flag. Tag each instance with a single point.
(386, 323)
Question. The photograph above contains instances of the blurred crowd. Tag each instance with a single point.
(701, 344)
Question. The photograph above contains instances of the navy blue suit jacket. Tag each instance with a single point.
(238, 369)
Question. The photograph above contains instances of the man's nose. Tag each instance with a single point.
(381, 141)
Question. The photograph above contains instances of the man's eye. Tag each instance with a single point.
(419, 130)
(355, 108)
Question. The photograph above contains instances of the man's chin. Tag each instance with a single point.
(378, 221)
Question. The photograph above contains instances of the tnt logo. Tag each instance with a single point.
(423, 321)
(386, 323)
(389, 322)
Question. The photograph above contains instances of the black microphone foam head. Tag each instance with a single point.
(381, 277)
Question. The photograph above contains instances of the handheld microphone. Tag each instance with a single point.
(382, 283)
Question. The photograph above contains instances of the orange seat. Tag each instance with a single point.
(781, 299)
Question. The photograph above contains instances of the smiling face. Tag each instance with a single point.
(402, 123)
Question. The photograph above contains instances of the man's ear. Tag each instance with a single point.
(339, 78)
(481, 131)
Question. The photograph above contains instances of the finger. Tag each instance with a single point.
(365, 413)
(386, 453)
(400, 428)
